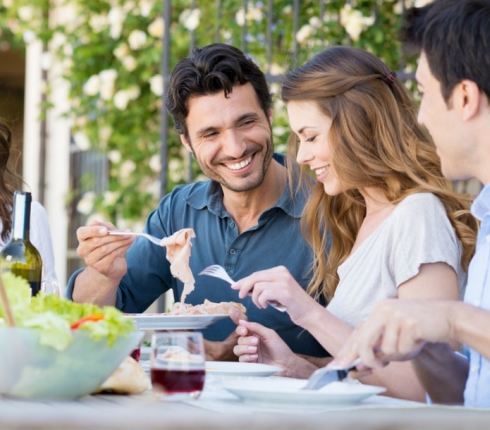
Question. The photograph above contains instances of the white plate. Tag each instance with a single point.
(174, 322)
(235, 368)
(287, 392)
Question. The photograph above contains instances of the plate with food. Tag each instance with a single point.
(185, 316)
(235, 368)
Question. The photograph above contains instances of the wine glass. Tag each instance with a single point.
(177, 365)
(50, 286)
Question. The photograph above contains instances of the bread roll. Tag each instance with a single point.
(129, 378)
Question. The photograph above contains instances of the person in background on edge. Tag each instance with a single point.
(453, 76)
(398, 230)
(246, 216)
(40, 233)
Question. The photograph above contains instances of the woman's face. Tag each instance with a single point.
(312, 128)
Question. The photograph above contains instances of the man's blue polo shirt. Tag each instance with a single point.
(275, 241)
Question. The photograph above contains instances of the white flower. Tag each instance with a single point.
(287, 10)
(189, 18)
(26, 13)
(279, 131)
(154, 189)
(121, 51)
(92, 86)
(121, 99)
(304, 33)
(29, 37)
(108, 75)
(226, 34)
(127, 168)
(315, 22)
(128, 6)
(81, 140)
(114, 156)
(156, 85)
(137, 39)
(58, 40)
(254, 13)
(7, 3)
(145, 7)
(129, 63)
(105, 133)
(276, 69)
(110, 198)
(240, 17)
(422, 3)
(156, 28)
(354, 22)
(133, 92)
(98, 23)
(86, 203)
(107, 79)
(116, 19)
(175, 170)
(155, 163)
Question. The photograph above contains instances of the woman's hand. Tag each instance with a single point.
(276, 285)
(259, 344)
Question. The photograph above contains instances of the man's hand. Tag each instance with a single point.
(397, 330)
(103, 252)
(105, 257)
(223, 351)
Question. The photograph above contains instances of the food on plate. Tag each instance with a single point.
(57, 318)
(207, 308)
(129, 378)
(178, 253)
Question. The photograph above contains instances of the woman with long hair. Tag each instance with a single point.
(40, 234)
(397, 228)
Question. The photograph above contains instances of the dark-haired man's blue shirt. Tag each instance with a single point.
(276, 240)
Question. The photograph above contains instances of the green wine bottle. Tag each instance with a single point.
(19, 256)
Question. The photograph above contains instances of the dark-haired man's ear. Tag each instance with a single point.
(471, 99)
(186, 144)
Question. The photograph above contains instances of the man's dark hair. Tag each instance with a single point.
(455, 36)
(209, 70)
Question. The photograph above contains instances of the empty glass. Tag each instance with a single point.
(50, 286)
(177, 365)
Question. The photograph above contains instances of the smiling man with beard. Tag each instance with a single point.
(246, 217)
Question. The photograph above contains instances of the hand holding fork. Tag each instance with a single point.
(219, 272)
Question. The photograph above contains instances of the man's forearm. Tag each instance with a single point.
(442, 373)
(471, 327)
(92, 287)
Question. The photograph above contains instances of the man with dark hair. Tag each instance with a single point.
(453, 76)
(246, 216)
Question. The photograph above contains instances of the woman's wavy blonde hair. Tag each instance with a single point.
(376, 142)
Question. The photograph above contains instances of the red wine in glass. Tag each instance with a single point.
(171, 381)
(136, 354)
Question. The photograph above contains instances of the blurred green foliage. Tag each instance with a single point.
(110, 51)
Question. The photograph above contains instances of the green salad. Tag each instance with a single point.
(56, 318)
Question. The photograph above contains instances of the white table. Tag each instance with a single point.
(145, 411)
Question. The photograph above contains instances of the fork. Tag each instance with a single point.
(219, 272)
(151, 238)
(326, 375)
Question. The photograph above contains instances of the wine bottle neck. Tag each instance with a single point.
(22, 215)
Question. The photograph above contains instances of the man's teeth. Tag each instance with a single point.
(240, 165)
(321, 170)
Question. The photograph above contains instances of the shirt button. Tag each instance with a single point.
(474, 368)
(232, 225)
(232, 251)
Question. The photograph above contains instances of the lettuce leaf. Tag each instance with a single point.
(53, 315)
